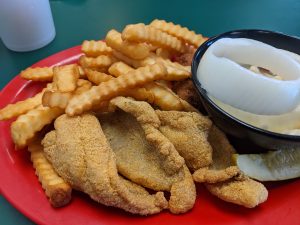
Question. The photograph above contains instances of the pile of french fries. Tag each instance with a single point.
(135, 63)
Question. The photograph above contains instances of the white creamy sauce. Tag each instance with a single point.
(286, 123)
(222, 73)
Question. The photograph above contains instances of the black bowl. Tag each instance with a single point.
(228, 123)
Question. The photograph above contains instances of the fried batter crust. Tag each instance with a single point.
(188, 132)
(80, 153)
(225, 180)
(145, 155)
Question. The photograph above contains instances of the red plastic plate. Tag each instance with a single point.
(21, 188)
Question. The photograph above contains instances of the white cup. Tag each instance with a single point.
(26, 25)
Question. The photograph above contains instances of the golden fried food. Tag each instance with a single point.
(186, 90)
(225, 180)
(169, 63)
(95, 48)
(153, 92)
(241, 191)
(145, 155)
(184, 59)
(141, 94)
(142, 33)
(37, 74)
(188, 132)
(164, 97)
(82, 86)
(81, 73)
(27, 125)
(129, 61)
(156, 148)
(132, 50)
(164, 53)
(175, 71)
(56, 189)
(221, 168)
(65, 77)
(119, 68)
(206, 175)
(81, 155)
(149, 60)
(111, 88)
(178, 31)
(165, 83)
(101, 61)
(149, 121)
(56, 99)
(20, 107)
(96, 77)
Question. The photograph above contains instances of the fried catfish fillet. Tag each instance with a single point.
(226, 181)
(144, 155)
(221, 169)
(81, 155)
(188, 132)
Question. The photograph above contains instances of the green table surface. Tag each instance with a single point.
(78, 20)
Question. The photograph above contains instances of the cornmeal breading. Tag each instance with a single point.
(226, 181)
(81, 155)
(144, 155)
(188, 132)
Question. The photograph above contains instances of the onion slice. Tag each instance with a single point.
(222, 76)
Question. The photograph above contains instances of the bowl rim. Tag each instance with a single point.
(195, 62)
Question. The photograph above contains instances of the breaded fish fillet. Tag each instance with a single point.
(226, 181)
(240, 190)
(81, 155)
(145, 155)
(221, 169)
(188, 132)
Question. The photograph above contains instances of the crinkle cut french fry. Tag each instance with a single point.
(96, 77)
(153, 58)
(27, 125)
(82, 86)
(163, 53)
(175, 70)
(65, 77)
(149, 60)
(60, 99)
(56, 189)
(56, 99)
(21, 107)
(175, 74)
(119, 68)
(81, 73)
(132, 50)
(140, 94)
(168, 62)
(104, 106)
(178, 31)
(132, 62)
(111, 88)
(140, 33)
(37, 74)
(95, 48)
(165, 83)
(98, 62)
(164, 98)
